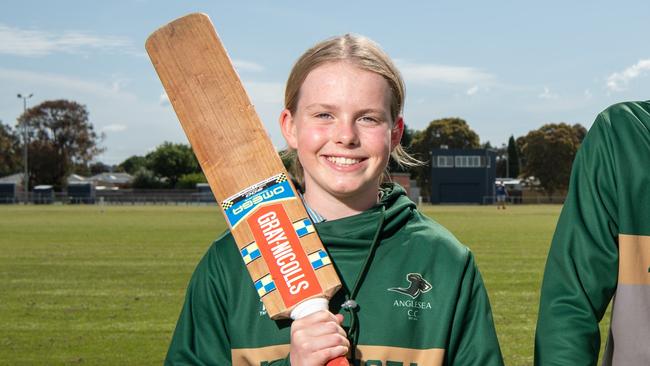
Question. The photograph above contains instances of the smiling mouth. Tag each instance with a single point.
(341, 161)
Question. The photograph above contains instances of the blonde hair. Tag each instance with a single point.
(363, 53)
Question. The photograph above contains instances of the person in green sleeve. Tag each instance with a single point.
(601, 249)
(412, 294)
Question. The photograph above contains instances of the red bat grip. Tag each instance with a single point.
(339, 361)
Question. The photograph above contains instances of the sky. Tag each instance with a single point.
(506, 67)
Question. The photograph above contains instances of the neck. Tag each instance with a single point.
(332, 207)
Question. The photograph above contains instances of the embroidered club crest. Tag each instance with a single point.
(417, 285)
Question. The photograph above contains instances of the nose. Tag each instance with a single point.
(345, 133)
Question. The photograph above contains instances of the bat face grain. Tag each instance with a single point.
(276, 238)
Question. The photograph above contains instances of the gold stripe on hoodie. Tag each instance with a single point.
(634, 259)
(370, 355)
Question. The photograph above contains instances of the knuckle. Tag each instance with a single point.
(332, 327)
(297, 332)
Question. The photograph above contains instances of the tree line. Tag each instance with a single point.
(546, 153)
(61, 140)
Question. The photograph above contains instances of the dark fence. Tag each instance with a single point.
(189, 197)
(539, 199)
(120, 197)
(154, 196)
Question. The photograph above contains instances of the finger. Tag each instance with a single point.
(317, 317)
(331, 353)
(315, 320)
(316, 329)
(319, 357)
(315, 343)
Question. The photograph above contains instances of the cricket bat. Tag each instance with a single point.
(289, 267)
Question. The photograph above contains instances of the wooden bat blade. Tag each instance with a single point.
(210, 101)
(276, 238)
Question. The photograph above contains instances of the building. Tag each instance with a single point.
(111, 181)
(81, 192)
(16, 179)
(8, 193)
(462, 175)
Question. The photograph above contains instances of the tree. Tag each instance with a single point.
(43, 158)
(513, 158)
(10, 159)
(501, 159)
(520, 142)
(487, 145)
(454, 133)
(98, 167)
(132, 164)
(146, 179)
(549, 153)
(171, 161)
(61, 134)
(580, 131)
(189, 181)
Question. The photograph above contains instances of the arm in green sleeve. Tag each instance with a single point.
(582, 266)
(201, 336)
(473, 339)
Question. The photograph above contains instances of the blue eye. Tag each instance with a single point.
(369, 119)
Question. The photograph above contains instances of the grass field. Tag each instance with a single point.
(98, 285)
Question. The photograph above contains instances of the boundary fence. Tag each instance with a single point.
(537, 199)
(190, 197)
(121, 197)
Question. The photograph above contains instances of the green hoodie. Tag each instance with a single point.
(601, 248)
(421, 299)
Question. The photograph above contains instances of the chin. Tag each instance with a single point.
(349, 190)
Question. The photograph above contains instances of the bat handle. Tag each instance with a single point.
(311, 306)
(339, 361)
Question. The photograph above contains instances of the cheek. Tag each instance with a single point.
(379, 142)
(311, 138)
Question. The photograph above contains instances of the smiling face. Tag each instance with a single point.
(343, 133)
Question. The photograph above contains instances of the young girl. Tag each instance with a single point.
(412, 294)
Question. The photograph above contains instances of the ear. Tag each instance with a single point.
(397, 132)
(288, 128)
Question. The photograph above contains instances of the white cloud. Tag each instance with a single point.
(37, 79)
(242, 65)
(423, 73)
(114, 128)
(261, 92)
(547, 94)
(21, 42)
(473, 90)
(119, 84)
(164, 99)
(619, 80)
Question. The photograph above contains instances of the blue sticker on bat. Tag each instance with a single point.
(237, 207)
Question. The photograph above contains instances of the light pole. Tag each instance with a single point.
(25, 143)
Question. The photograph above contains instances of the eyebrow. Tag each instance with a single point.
(334, 107)
(374, 111)
(320, 106)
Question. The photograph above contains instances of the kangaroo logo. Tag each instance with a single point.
(417, 285)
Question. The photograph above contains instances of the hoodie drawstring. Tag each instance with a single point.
(350, 305)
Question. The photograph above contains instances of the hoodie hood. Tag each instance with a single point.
(359, 230)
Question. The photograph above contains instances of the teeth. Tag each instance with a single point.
(342, 161)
